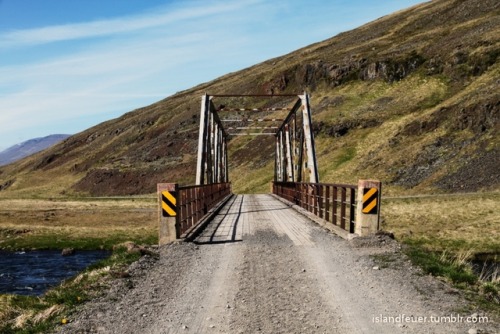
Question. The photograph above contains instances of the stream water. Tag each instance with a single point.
(33, 272)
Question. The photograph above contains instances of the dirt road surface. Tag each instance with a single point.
(261, 267)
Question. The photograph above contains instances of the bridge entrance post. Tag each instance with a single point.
(368, 207)
(167, 212)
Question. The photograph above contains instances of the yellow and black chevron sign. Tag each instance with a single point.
(370, 200)
(168, 204)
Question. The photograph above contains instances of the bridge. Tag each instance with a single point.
(266, 263)
(186, 211)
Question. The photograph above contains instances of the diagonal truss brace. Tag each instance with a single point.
(295, 149)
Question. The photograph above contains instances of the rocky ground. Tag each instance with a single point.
(263, 268)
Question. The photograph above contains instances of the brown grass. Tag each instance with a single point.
(27, 224)
(464, 224)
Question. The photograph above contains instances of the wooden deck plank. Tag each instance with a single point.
(247, 214)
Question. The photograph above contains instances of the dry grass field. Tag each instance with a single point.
(76, 223)
(459, 224)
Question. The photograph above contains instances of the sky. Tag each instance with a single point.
(67, 65)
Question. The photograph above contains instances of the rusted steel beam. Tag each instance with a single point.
(312, 164)
(334, 205)
(252, 120)
(321, 200)
(252, 109)
(216, 117)
(338, 185)
(352, 209)
(327, 204)
(211, 145)
(289, 157)
(254, 95)
(291, 114)
(202, 154)
(251, 127)
(342, 207)
(276, 163)
(252, 134)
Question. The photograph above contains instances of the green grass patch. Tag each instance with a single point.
(346, 155)
(53, 240)
(79, 224)
(442, 266)
(457, 269)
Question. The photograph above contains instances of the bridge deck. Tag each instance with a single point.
(244, 215)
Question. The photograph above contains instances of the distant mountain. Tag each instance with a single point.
(29, 147)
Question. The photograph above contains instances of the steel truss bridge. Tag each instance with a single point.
(185, 211)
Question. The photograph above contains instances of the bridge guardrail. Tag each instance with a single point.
(335, 203)
(182, 208)
(196, 201)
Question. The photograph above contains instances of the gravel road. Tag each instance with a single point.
(261, 267)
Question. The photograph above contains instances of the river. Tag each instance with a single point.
(33, 272)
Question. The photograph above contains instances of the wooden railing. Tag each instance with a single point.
(335, 203)
(194, 202)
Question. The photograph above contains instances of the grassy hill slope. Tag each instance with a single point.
(410, 99)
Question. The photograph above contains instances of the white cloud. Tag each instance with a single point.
(150, 59)
(26, 37)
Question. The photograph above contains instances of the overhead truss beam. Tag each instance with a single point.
(295, 159)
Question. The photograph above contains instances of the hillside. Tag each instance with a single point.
(410, 99)
(28, 147)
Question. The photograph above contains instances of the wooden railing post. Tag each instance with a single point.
(334, 203)
(352, 211)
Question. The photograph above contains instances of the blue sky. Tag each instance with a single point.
(66, 65)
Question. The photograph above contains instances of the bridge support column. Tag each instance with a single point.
(212, 146)
(368, 207)
(167, 213)
(312, 164)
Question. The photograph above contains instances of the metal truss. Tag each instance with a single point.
(212, 146)
(295, 159)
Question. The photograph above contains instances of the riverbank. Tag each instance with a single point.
(33, 314)
(80, 224)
